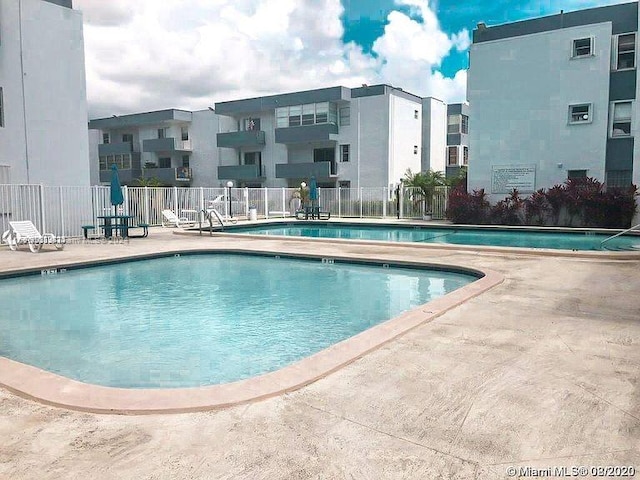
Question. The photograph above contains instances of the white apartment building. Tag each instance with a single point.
(555, 98)
(43, 101)
(361, 137)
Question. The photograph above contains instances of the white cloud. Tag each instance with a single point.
(147, 55)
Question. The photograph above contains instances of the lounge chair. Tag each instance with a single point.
(26, 233)
(170, 219)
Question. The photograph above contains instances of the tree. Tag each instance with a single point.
(425, 183)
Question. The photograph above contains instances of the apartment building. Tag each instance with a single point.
(457, 156)
(359, 137)
(43, 101)
(434, 135)
(157, 145)
(555, 98)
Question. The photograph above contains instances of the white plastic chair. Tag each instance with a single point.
(170, 219)
(25, 233)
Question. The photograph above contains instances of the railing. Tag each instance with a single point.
(618, 234)
(63, 210)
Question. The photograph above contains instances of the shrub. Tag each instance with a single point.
(468, 208)
(509, 211)
(536, 208)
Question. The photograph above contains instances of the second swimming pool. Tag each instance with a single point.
(579, 240)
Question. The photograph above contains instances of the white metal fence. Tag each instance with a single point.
(63, 210)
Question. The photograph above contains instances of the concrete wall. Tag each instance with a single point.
(204, 157)
(374, 151)
(434, 135)
(45, 138)
(520, 89)
(405, 137)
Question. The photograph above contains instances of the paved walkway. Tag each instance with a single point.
(542, 370)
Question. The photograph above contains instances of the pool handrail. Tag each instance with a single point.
(618, 234)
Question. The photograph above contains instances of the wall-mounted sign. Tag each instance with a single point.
(504, 178)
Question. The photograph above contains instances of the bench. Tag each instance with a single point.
(313, 212)
(86, 229)
(145, 230)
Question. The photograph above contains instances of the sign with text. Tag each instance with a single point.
(504, 178)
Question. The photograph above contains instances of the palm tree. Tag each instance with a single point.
(425, 183)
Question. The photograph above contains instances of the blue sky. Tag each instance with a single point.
(364, 20)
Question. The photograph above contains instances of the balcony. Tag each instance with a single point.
(241, 172)
(246, 138)
(115, 148)
(166, 145)
(306, 170)
(174, 176)
(308, 133)
(126, 176)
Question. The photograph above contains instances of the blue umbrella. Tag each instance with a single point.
(313, 189)
(117, 198)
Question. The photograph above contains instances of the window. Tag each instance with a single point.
(415, 149)
(282, 117)
(580, 113)
(1, 108)
(323, 155)
(453, 124)
(185, 160)
(465, 155)
(344, 184)
(621, 119)
(344, 153)
(127, 138)
(162, 133)
(184, 133)
(253, 158)
(576, 174)
(452, 155)
(465, 124)
(345, 116)
(105, 138)
(164, 162)
(625, 51)
(322, 112)
(582, 47)
(122, 161)
(294, 116)
(308, 114)
(619, 178)
(415, 114)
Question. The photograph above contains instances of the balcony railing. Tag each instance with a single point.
(170, 175)
(115, 148)
(241, 172)
(166, 145)
(308, 133)
(306, 170)
(245, 138)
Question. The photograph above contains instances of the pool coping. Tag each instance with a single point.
(49, 388)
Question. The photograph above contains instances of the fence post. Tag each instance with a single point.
(61, 211)
(246, 201)
(384, 202)
(125, 192)
(147, 205)
(401, 196)
(266, 202)
(42, 216)
(339, 203)
(360, 200)
(175, 200)
(283, 202)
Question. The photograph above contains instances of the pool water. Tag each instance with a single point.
(498, 238)
(198, 320)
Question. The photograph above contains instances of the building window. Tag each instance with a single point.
(308, 114)
(415, 114)
(453, 124)
(415, 149)
(162, 133)
(452, 155)
(123, 162)
(253, 158)
(580, 113)
(465, 124)
(344, 153)
(105, 138)
(185, 160)
(164, 162)
(322, 112)
(1, 108)
(465, 155)
(251, 124)
(345, 116)
(625, 51)
(127, 138)
(184, 133)
(582, 47)
(621, 119)
(619, 178)
(294, 116)
(344, 184)
(576, 174)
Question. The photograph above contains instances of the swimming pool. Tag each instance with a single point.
(192, 320)
(445, 235)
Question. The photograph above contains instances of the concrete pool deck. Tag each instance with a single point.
(542, 370)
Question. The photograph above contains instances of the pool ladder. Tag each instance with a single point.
(209, 214)
(634, 247)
